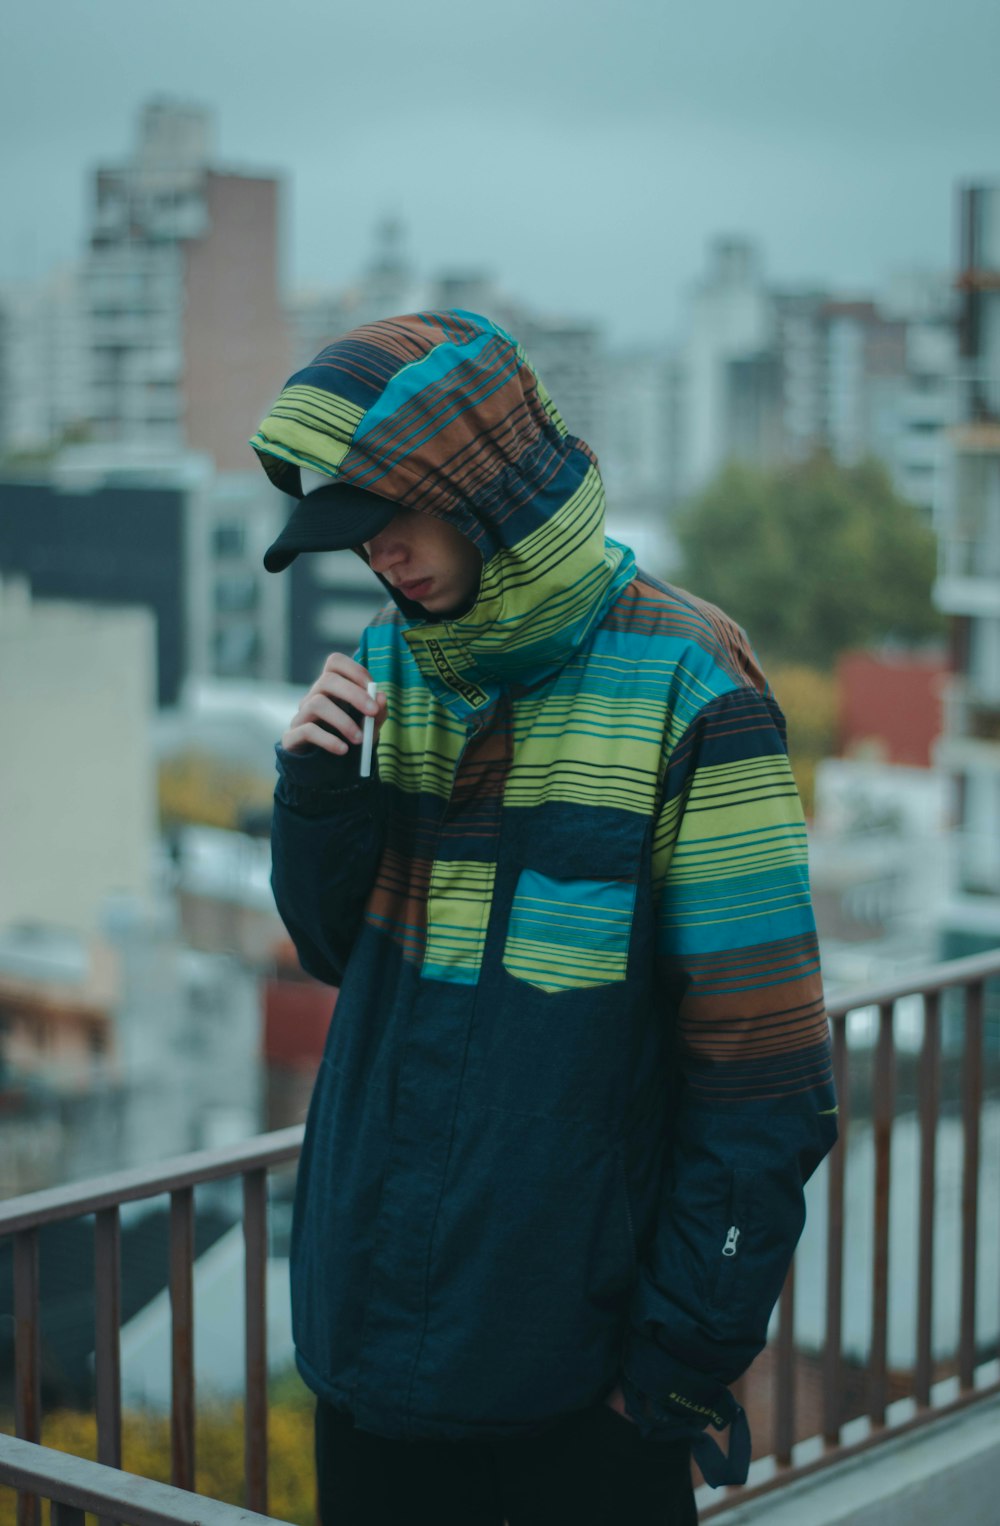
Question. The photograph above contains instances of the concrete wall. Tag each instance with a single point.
(76, 773)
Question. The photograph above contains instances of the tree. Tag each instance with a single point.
(196, 788)
(812, 559)
(218, 1448)
(808, 699)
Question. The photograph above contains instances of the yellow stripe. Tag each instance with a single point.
(458, 911)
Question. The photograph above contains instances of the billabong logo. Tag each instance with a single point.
(699, 1409)
(469, 691)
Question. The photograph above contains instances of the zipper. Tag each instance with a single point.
(732, 1238)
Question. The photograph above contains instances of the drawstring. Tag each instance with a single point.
(719, 1467)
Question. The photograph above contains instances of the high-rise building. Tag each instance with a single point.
(731, 322)
(889, 367)
(568, 355)
(641, 452)
(43, 364)
(387, 286)
(771, 375)
(185, 330)
(968, 585)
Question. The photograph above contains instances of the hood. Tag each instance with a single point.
(442, 412)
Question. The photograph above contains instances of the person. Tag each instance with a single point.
(579, 1069)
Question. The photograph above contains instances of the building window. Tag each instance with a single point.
(237, 591)
(229, 539)
(237, 649)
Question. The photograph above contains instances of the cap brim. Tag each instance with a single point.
(331, 518)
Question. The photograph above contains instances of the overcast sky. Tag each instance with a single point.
(584, 151)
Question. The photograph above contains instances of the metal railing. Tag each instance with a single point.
(968, 977)
(75, 1486)
(23, 1217)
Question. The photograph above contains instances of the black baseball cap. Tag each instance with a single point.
(330, 518)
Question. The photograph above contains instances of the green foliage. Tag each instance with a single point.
(808, 699)
(811, 559)
(218, 1449)
(196, 788)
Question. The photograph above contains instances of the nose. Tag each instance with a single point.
(384, 551)
(387, 547)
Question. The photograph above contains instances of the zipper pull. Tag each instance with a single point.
(732, 1235)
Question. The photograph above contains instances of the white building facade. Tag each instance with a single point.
(77, 687)
(770, 375)
(43, 364)
(968, 585)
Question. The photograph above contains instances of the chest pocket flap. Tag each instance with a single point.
(571, 930)
(569, 935)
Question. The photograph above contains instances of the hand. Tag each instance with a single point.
(616, 1401)
(320, 720)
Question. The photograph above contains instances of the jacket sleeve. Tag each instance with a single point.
(738, 972)
(326, 839)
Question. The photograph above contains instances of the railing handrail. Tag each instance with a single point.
(950, 972)
(110, 1493)
(53, 1203)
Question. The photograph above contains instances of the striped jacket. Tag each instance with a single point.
(578, 1071)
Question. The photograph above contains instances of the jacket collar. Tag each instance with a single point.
(531, 616)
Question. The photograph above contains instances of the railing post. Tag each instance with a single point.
(182, 1431)
(67, 1515)
(27, 1364)
(255, 1413)
(107, 1339)
(832, 1385)
(784, 1370)
(972, 1088)
(882, 1116)
(930, 1089)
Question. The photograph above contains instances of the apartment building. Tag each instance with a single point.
(185, 332)
(770, 374)
(968, 585)
(119, 525)
(43, 363)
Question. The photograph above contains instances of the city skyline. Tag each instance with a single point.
(586, 170)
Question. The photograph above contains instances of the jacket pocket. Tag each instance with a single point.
(734, 1271)
(569, 935)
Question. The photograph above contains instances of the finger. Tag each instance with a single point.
(339, 662)
(337, 686)
(316, 707)
(311, 734)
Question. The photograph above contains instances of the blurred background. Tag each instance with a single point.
(754, 251)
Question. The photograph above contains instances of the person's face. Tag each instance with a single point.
(428, 560)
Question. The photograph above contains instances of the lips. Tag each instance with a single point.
(414, 590)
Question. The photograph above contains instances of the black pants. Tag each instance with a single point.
(591, 1469)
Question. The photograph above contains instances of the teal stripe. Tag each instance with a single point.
(582, 914)
(414, 378)
(450, 974)
(743, 929)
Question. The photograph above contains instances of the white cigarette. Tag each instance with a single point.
(368, 737)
